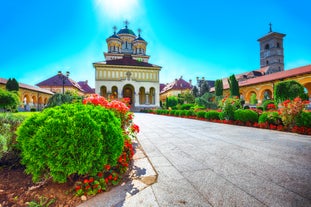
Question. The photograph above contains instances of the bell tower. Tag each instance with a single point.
(272, 51)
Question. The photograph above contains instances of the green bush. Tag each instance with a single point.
(228, 106)
(271, 117)
(172, 112)
(190, 113)
(212, 114)
(186, 106)
(245, 115)
(304, 119)
(9, 122)
(259, 108)
(246, 107)
(182, 113)
(201, 114)
(69, 140)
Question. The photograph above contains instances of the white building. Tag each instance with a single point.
(126, 71)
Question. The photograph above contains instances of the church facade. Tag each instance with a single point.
(126, 71)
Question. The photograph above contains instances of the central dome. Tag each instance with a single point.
(126, 31)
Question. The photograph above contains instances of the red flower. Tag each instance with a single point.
(110, 177)
(107, 167)
(86, 181)
(100, 174)
(78, 187)
(91, 180)
(106, 180)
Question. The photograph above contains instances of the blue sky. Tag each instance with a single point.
(211, 39)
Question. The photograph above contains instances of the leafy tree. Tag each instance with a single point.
(12, 85)
(8, 100)
(195, 91)
(171, 101)
(234, 86)
(289, 90)
(69, 97)
(207, 100)
(253, 99)
(204, 88)
(188, 97)
(219, 87)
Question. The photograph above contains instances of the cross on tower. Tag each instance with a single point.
(139, 31)
(270, 27)
(126, 23)
(114, 29)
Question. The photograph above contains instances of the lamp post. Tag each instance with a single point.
(63, 78)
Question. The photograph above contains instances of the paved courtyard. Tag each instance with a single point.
(208, 164)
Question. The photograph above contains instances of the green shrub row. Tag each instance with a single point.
(245, 115)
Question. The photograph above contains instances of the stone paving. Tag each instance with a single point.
(197, 163)
(208, 164)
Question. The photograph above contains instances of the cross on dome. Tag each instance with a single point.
(270, 27)
(126, 23)
(114, 29)
(139, 31)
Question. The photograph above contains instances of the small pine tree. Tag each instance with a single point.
(218, 87)
(204, 88)
(195, 91)
(12, 85)
(234, 86)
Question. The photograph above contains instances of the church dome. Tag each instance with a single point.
(114, 36)
(126, 31)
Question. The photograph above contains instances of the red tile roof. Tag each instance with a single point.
(127, 60)
(86, 88)
(29, 87)
(178, 84)
(57, 81)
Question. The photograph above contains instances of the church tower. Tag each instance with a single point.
(272, 51)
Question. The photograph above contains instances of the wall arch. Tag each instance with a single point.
(142, 95)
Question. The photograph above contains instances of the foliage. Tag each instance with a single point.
(204, 88)
(212, 115)
(9, 122)
(245, 115)
(201, 114)
(195, 91)
(234, 86)
(58, 99)
(290, 110)
(253, 100)
(171, 101)
(81, 139)
(43, 202)
(289, 90)
(270, 117)
(207, 100)
(190, 113)
(186, 97)
(304, 119)
(269, 105)
(219, 87)
(228, 106)
(12, 85)
(8, 100)
(186, 106)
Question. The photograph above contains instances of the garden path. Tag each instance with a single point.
(208, 164)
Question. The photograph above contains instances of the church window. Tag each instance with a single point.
(125, 45)
(278, 45)
(114, 48)
(267, 62)
(267, 47)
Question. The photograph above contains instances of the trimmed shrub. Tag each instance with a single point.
(190, 113)
(186, 106)
(172, 112)
(68, 140)
(201, 114)
(304, 119)
(246, 107)
(212, 114)
(182, 113)
(271, 117)
(245, 115)
(259, 108)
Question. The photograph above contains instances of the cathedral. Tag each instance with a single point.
(126, 71)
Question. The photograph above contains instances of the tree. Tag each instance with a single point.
(188, 97)
(8, 100)
(195, 91)
(234, 86)
(12, 85)
(253, 100)
(171, 101)
(204, 88)
(289, 90)
(207, 100)
(219, 87)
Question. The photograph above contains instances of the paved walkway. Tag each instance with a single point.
(208, 164)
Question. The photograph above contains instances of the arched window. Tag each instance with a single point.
(125, 45)
(142, 95)
(278, 45)
(267, 62)
(267, 47)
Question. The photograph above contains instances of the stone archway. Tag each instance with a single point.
(128, 92)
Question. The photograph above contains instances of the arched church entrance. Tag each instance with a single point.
(128, 92)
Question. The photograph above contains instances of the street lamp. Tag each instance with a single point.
(63, 78)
